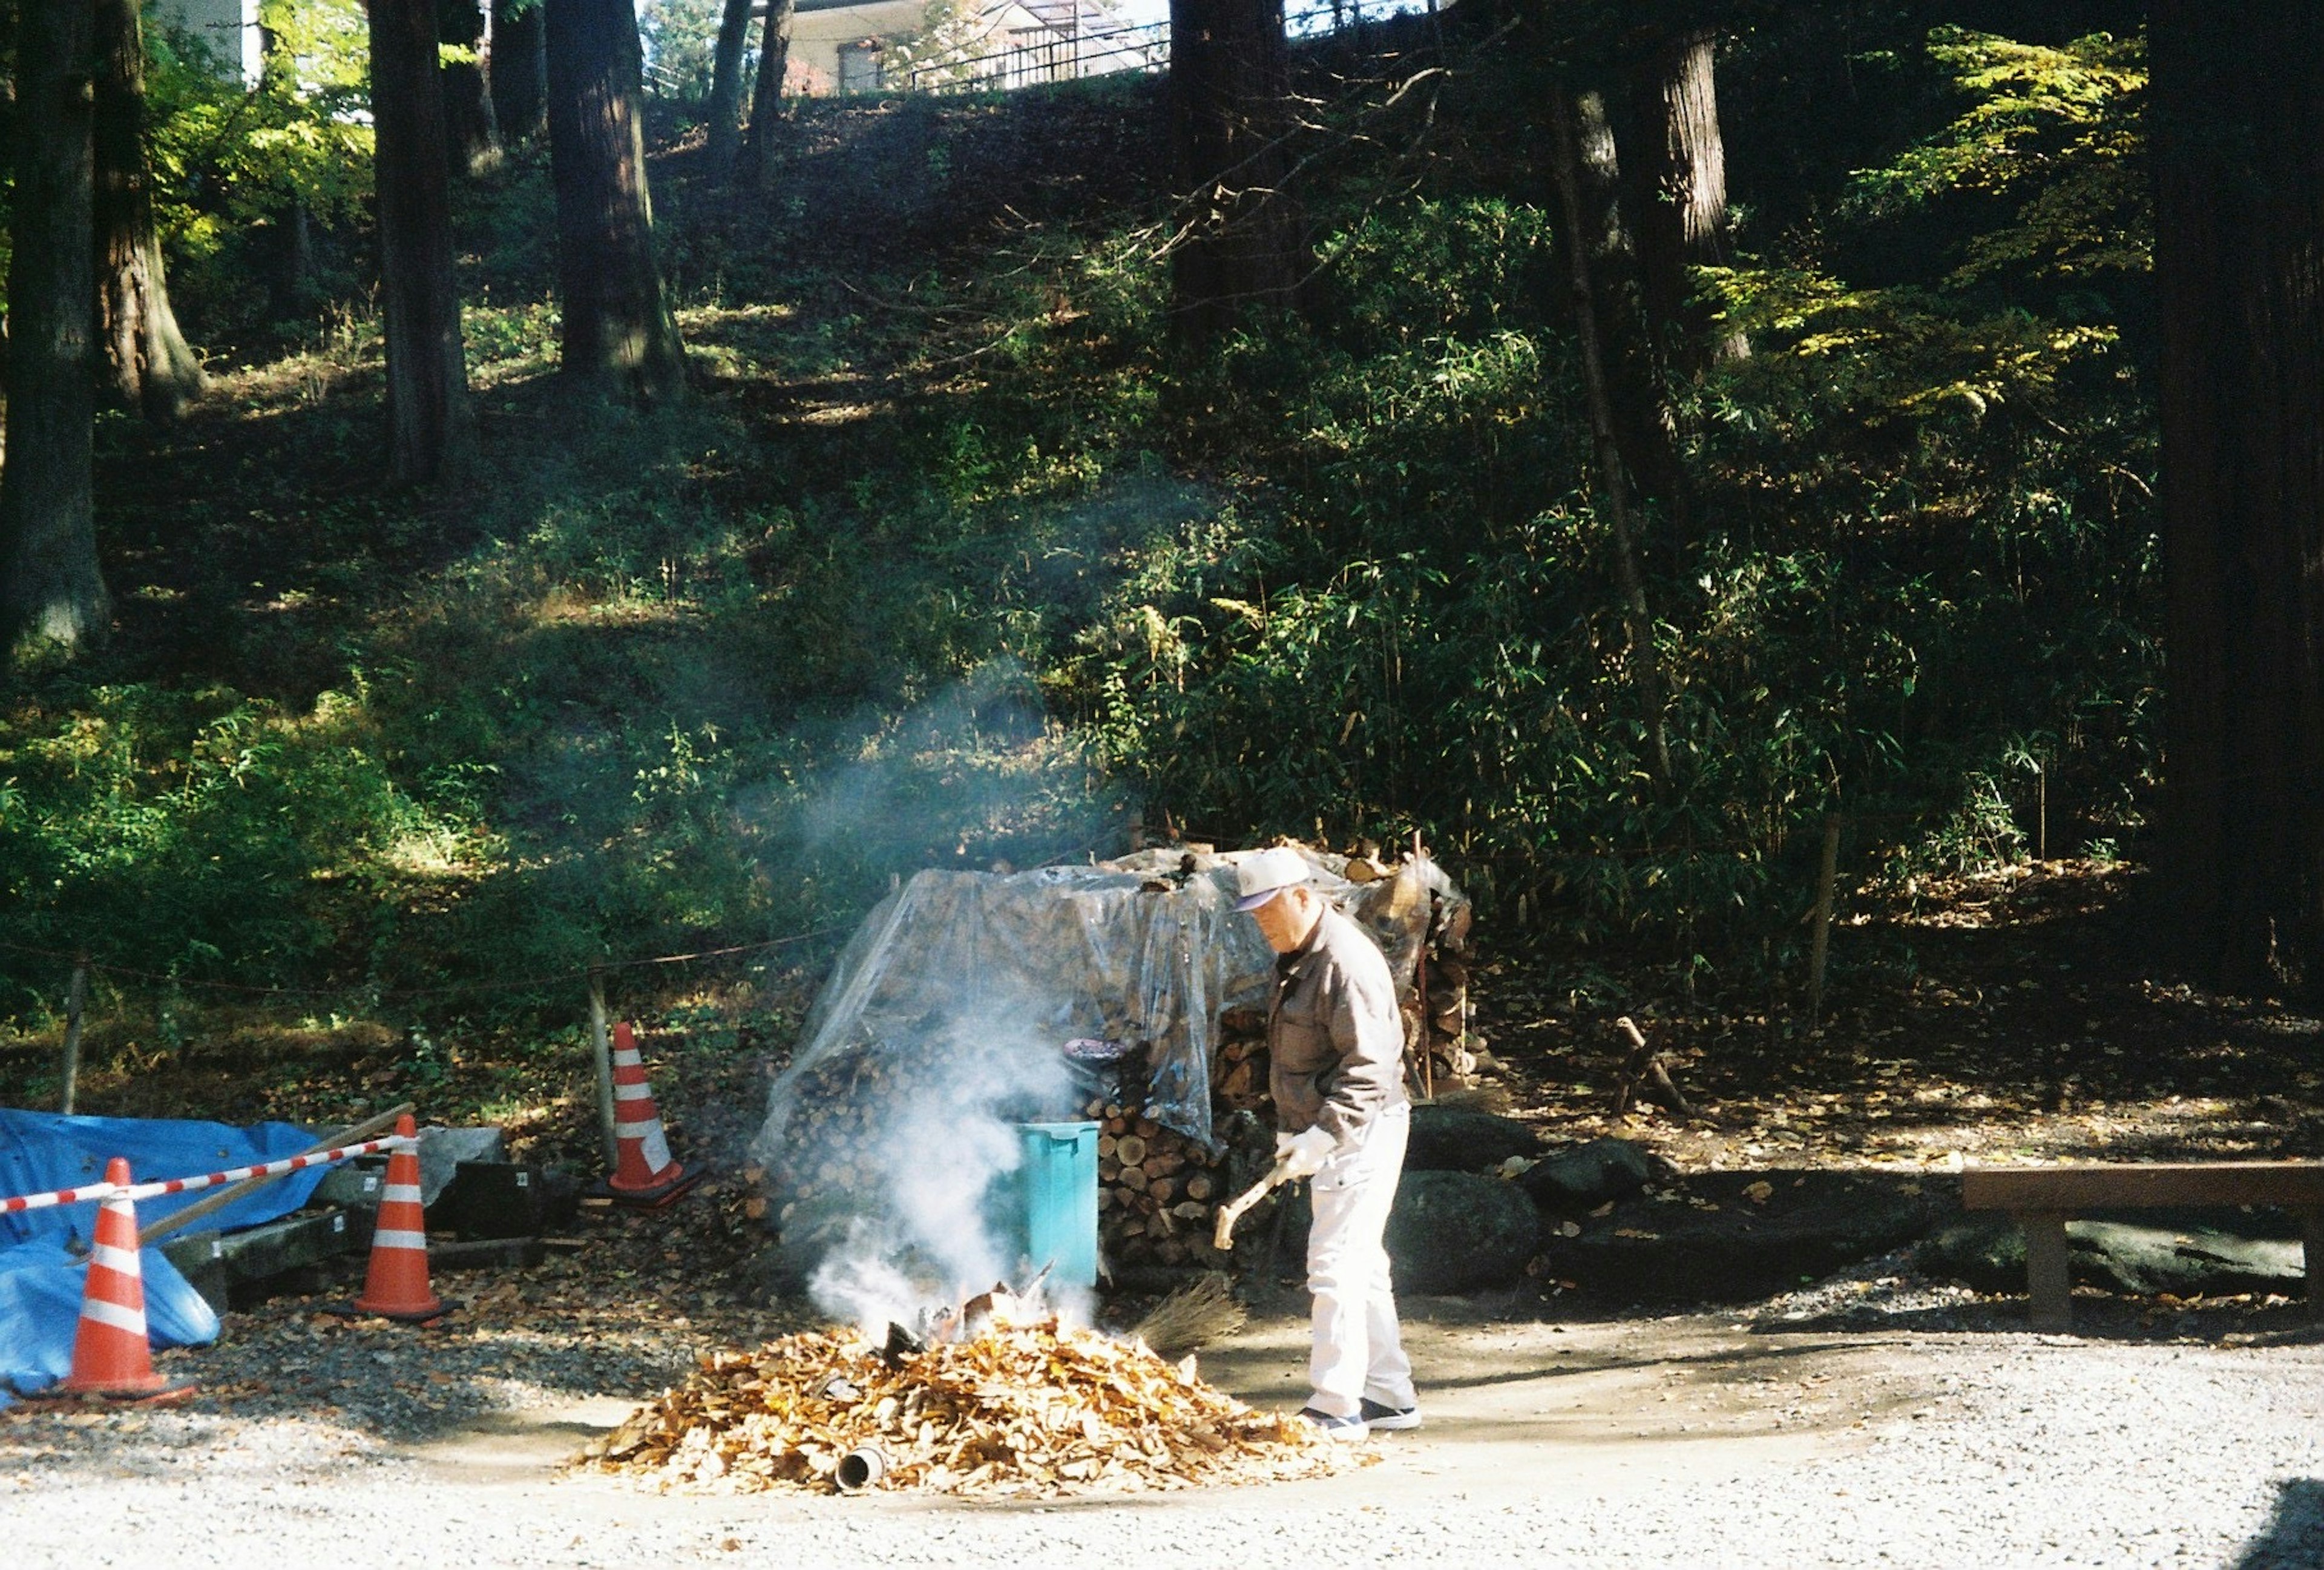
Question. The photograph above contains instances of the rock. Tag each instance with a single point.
(1455, 1231)
(1734, 1235)
(1587, 1175)
(1447, 1139)
(2140, 1257)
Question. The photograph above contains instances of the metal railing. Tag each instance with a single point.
(1037, 56)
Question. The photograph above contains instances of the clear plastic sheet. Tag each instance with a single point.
(1148, 949)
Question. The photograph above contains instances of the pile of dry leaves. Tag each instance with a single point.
(1024, 1409)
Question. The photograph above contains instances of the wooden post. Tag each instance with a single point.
(2049, 1290)
(76, 997)
(2311, 1239)
(1819, 944)
(603, 1050)
(2040, 813)
(353, 1134)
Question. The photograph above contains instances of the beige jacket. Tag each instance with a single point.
(1336, 1036)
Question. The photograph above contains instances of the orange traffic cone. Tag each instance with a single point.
(395, 1286)
(643, 1172)
(112, 1358)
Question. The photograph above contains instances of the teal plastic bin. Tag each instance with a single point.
(1055, 1194)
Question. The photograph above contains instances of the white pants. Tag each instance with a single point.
(1357, 1354)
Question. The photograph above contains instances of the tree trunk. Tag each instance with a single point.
(617, 329)
(2237, 130)
(758, 162)
(1244, 239)
(427, 374)
(1674, 180)
(471, 143)
(152, 368)
(1646, 427)
(1569, 166)
(50, 588)
(725, 108)
(520, 71)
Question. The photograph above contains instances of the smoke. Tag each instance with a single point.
(912, 1085)
(929, 1216)
(974, 773)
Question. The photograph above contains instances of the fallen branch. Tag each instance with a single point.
(1645, 1063)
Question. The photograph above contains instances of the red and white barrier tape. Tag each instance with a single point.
(137, 1191)
(58, 1196)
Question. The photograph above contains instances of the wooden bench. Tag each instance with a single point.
(2043, 1199)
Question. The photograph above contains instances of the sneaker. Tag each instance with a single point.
(1331, 1427)
(1390, 1419)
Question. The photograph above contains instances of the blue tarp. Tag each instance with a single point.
(40, 1283)
(40, 1311)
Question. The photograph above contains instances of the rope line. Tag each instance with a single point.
(445, 989)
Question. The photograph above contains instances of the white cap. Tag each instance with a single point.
(1261, 877)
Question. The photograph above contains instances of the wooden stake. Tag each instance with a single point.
(1819, 944)
(603, 1050)
(1420, 985)
(2040, 813)
(75, 996)
(353, 1134)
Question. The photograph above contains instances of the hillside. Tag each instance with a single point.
(951, 558)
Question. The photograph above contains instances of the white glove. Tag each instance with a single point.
(1302, 1154)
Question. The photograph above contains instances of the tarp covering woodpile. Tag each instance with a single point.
(1029, 1410)
(1146, 951)
(1128, 990)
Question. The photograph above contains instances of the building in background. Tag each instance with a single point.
(226, 29)
(864, 46)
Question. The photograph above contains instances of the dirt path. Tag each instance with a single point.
(1728, 1438)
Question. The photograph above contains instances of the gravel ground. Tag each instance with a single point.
(1875, 1418)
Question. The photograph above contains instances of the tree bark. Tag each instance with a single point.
(427, 372)
(618, 329)
(152, 368)
(471, 142)
(1243, 239)
(757, 161)
(50, 587)
(1674, 180)
(725, 107)
(2237, 138)
(1569, 124)
(520, 71)
(1646, 427)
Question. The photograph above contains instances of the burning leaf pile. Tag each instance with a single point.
(1031, 1409)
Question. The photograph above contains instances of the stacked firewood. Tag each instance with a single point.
(1450, 1043)
(832, 1154)
(1238, 1072)
(1157, 1188)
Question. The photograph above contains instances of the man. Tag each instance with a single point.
(1335, 1047)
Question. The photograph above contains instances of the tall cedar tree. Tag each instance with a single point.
(1673, 161)
(520, 71)
(471, 138)
(617, 326)
(1582, 156)
(758, 162)
(50, 587)
(724, 111)
(152, 368)
(1244, 240)
(427, 374)
(2238, 129)
(1574, 118)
